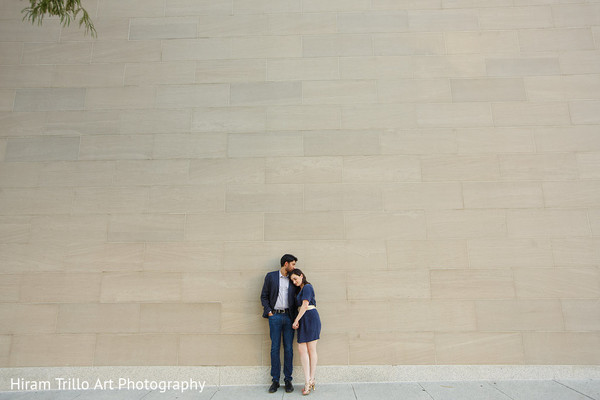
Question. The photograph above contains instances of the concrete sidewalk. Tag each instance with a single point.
(480, 390)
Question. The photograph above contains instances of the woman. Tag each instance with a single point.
(308, 325)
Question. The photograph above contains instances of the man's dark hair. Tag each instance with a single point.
(287, 258)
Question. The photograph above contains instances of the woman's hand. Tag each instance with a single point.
(295, 325)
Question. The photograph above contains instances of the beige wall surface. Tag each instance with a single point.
(433, 164)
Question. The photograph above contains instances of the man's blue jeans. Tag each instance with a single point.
(280, 325)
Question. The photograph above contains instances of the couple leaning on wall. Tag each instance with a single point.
(288, 301)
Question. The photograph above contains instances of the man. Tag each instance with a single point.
(278, 298)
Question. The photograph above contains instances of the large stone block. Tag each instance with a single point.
(394, 285)
(449, 66)
(229, 71)
(314, 170)
(445, 20)
(151, 172)
(577, 315)
(582, 194)
(28, 318)
(57, 53)
(510, 253)
(498, 18)
(344, 197)
(339, 92)
(538, 167)
(337, 45)
(146, 227)
(230, 119)
(303, 69)
(479, 348)
(141, 287)
(233, 25)
(589, 165)
(119, 51)
(460, 168)
(503, 195)
(391, 67)
(313, 225)
(557, 283)
(192, 96)
(389, 168)
(302, 24)
(423, 195)
(187, 199)
(522, 66)
(98, 318)
(197, 7)
(88, 75)
(49, 99)
(69, 229)
(372, 22)
(267, 46)
(414, 90)
(401, 44)
(20, 174)
(424, 315)
(115, 8)
(189, 146)
(231, 350)
(265, 145)
(165, 73)
(121, 147)
(146, 349)
(183, 257)
(454, 115)
(163, 28)
(50, 350)
(15, 229)
(265, 198)
(36, 201)
(129, 97)
(104, 257)
(499, 89)
(180, 318)
(225, 226)
(414, 348)
(386, 225)
(572, 39)
(519, 315)
(195, 49)
(561, 347)
(547, 223)
(482, 42)
(429, 254)
(576, 252)
(472, 284)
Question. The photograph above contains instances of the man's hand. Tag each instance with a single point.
(270, 314)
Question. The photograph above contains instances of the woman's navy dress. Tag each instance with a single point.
(310, 323)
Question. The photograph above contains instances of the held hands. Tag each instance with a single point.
(295, 325)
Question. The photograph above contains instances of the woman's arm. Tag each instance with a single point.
(301, 312)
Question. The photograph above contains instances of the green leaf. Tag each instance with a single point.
(66, 10)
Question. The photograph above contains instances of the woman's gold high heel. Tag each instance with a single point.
(306, 389)
(312, 385)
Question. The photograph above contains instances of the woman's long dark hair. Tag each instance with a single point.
(297, 272)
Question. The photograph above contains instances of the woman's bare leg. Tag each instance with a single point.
(305, 360)
(312, 354)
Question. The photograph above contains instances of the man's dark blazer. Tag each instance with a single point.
(270, 291)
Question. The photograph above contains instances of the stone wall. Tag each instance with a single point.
(433, 164)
